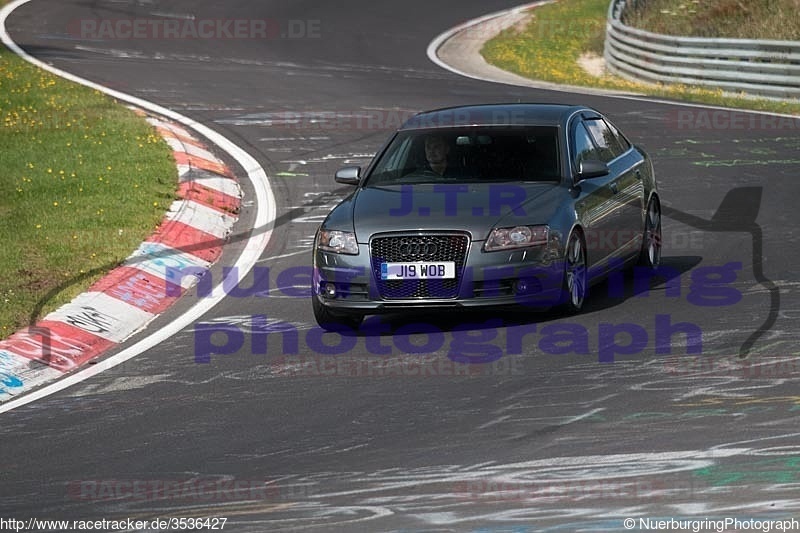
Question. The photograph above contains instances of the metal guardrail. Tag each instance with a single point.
(755, 67)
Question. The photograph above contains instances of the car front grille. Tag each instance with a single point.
(420, 247)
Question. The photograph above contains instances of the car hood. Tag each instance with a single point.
(475, 208)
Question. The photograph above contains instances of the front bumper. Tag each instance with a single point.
(531, 277)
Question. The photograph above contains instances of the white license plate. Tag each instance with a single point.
(417, 270)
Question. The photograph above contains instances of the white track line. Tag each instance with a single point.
(264, 222)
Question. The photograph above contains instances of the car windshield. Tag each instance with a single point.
(474, 154)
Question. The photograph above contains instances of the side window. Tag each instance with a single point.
(583, 147)
(607, 143)
(623, 142)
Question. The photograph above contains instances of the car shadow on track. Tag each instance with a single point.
(607, 294)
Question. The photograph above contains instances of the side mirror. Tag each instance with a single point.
(348, 175)
(591, 168)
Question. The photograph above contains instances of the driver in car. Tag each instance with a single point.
(436, 152)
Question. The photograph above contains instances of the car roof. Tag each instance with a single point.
(494, 115)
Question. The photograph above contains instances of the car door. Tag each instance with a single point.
(596, 205)
(626, 184)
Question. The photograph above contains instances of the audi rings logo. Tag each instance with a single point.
(416, 248)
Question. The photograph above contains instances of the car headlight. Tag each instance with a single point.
(339, 242)
(516, 237)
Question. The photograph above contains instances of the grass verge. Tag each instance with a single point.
(83, 181)
(558, 34)
(737, 19)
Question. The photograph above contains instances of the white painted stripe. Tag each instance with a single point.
(264, 223)
(169, 126)
(195, 151)
(202, 217)
(19, 374)
(175, 143)
(167, 263)
(183, 170)
(102, 315)
(227, 186)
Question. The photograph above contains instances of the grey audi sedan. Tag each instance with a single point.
(487, 205)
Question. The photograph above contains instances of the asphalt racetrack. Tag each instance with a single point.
(353, 433)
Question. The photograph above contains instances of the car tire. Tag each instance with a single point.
(575, 286)
(332, 321)
(650, 256)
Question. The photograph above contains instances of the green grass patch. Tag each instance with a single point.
(549, 46)
(737, 19)
(83, 181)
